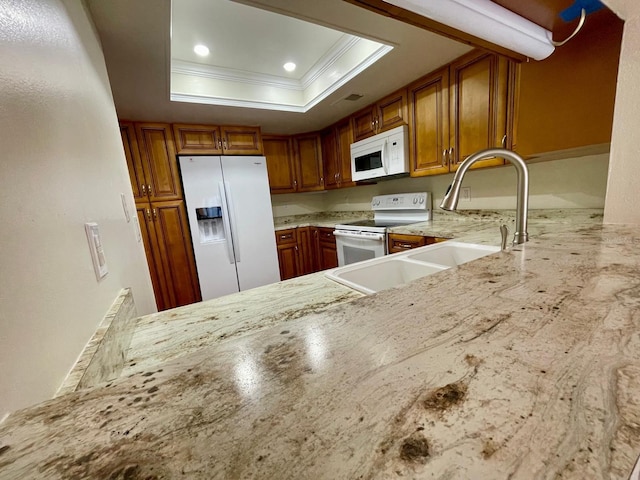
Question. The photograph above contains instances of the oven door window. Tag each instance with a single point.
(370, 161)
(357, 254)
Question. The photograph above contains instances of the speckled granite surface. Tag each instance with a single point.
(520, 365)
(322, 219)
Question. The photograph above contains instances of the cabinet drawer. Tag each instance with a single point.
(325, 235)
(400, 243)
(284, 237)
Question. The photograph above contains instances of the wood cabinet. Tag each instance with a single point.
(308, 158)
(288, 253)
(154, 174)
(478, 101)
(305, 250)
(165, 228)
(326, 250)
(280, 163)
(217, 140)
(388, 113)
(429, 124)
(459, 110)
(157, 175)
(400, 242)
(336, 155)
(566, 101)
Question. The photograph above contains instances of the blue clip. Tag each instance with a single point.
(575, 10)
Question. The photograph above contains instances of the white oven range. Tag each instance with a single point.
(366, 239)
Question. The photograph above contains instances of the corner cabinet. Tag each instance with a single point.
(217, 140)
(153, 170)
(458, 110)
(304, 250)
(308, 159)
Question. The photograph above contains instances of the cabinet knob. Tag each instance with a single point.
(143, 189)
(148, 212)
(155, 213)
(219, 144)
(149, 189)
(224, 144)
(444, 156)
(504, 141)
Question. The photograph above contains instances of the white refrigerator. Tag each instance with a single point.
(231, 221)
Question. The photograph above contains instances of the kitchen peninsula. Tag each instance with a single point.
(522, 364)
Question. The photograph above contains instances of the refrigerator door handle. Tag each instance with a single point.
(226, 221)
(232, 221)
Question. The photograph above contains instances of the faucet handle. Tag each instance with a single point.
(504, 232)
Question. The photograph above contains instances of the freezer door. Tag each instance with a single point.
(249, 200)
(209, 224)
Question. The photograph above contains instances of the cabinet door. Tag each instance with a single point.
(306, 257)
(364, 123)
(429, 124)
(309, 162)
(241, 140)
(152, 250)
(400, 242)
(287, 244)
(134, 163)
(159, 161)
(327, 251)
(344, 139)
(176, 252)
(280, 164)
(478, 99)
(329, 158)
(392, 111)
(197, 139)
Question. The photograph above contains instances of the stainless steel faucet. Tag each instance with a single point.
(450, 200)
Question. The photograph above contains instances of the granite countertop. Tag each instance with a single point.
(320, 219)
(522, 364)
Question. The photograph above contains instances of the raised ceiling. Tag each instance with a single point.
(247, 50)
(136, 35)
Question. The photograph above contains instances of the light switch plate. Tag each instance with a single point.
(465, 194)
(97, 251)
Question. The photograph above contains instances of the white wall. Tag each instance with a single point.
(623, 191)
(568, 183)
(62, 165)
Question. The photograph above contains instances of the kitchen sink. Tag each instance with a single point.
(371, 276)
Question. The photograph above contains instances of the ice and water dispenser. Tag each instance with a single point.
(210, 224)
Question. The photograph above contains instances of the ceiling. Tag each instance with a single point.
(136, 36)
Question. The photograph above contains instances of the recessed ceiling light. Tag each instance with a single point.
(201, 50)
(289, 66)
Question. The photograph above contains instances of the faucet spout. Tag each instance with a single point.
(450, 200)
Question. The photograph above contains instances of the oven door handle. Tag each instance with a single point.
(365, 236)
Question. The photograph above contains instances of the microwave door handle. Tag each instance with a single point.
(225, 220)
(384, 157)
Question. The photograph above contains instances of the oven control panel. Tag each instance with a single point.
(402, 201)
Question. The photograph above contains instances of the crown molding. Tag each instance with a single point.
(231, 75)
(228, 102)
(330, 57)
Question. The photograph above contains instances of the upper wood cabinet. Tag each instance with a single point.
(388, 113)
(429, 124)
(336, 155)
(459, 110)
(478, 92)
(217, 140)
(134, 163)
(280, 163)
(566, 101)
(308, 155)
(159, 177)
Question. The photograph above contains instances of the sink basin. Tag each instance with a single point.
(371, 276)
(451, 254)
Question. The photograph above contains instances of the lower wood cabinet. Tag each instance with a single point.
(305, 250)
(167, 244)
(399, 242)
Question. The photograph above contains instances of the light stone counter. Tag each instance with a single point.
(523, 364)
(321, 219)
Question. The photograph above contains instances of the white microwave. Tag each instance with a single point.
(381, 155)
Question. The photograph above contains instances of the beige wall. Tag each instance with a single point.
(624, 186)
(568, 183)
(62, 165)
